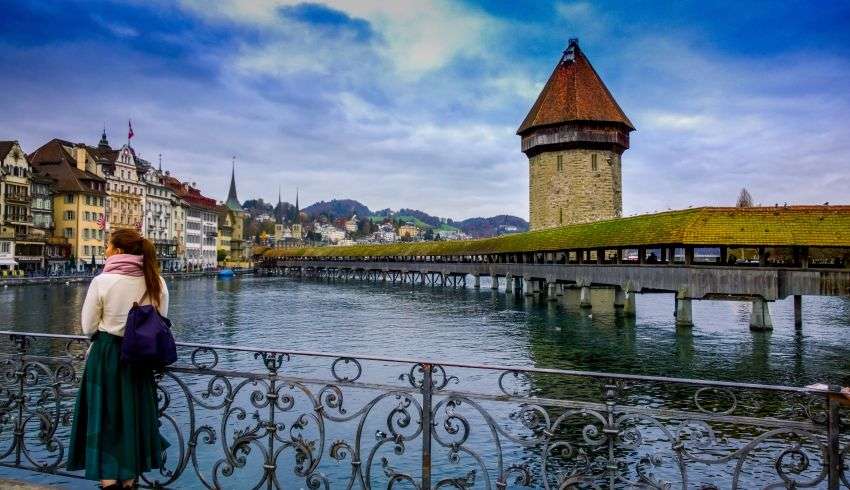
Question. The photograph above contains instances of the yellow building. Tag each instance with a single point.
(79, 198)
(408, 230)
(225, 231)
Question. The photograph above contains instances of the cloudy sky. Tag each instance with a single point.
(415, 104)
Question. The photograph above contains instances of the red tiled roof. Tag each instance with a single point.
(574, 92)
(188, 193)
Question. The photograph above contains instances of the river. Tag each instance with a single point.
(481, 326)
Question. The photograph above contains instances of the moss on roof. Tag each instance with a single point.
(814, 226)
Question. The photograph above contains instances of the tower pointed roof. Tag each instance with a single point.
(103, 144)
(574, 93)
(232, 200)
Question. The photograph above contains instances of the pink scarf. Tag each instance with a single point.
(125, 264)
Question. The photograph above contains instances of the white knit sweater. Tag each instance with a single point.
(110, 298)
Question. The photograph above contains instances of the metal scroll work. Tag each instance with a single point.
(237, 417)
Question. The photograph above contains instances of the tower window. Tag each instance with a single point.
(561, 215)
(560, 163)
(593, 165)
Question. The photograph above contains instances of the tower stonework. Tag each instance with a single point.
(574, 136)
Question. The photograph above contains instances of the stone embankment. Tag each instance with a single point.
(26, 281)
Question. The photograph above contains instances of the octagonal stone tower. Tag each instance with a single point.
(574, 136)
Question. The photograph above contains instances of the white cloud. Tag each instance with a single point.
(416, 36)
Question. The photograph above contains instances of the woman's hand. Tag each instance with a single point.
(844, 391)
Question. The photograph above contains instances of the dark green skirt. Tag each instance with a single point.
(115, 434)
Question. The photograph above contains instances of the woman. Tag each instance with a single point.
(115, 435)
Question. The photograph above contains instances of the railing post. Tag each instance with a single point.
(833, 447)
(21, 342)
(427, 388)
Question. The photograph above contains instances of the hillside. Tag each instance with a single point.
(337, 208)
(475, 227)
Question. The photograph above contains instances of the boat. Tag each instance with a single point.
(226, 272)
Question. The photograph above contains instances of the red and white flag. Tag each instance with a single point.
(101, 221)
(130, 132)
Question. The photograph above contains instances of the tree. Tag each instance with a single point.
(745, 200)
(221, 255)
(429, 234)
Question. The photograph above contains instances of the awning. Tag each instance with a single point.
(8, 262)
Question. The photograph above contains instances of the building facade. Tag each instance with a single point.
(17, 217)
(159, 224)
(237, 251)
(574, 137)
(79, 199)
(125, 189)
(200, 226)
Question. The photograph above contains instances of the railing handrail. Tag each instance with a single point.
(494, 367)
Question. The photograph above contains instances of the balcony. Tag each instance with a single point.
(18, 198)
(19, 219)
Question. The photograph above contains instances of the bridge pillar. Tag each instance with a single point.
(684, 310)
(584, 296)
(619, 298)
(527, 287)
(551, 293)
(760, 319)
(494, 282)
(798, 312)
(477, 284)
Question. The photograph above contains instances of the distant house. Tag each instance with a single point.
(452, 235)
(408, 230)
(329, 233)
(386, 233)
(351, 224)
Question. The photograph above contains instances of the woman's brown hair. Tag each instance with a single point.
(131, 242)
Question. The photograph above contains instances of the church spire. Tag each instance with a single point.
(103, 144)
(232, 200)
(279, 215)
(297, 208)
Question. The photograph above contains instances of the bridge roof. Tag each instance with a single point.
(813, 226)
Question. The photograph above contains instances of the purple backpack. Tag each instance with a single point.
(147, 338)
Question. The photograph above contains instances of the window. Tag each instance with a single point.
(86, 234)
(100, 250)
(69, 215)
(69, 198)
(69, 233)
(593, 165)
(5, 247)
(85, 249)
(561, 215)
(560, 163)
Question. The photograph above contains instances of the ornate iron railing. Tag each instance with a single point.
(240, 417)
